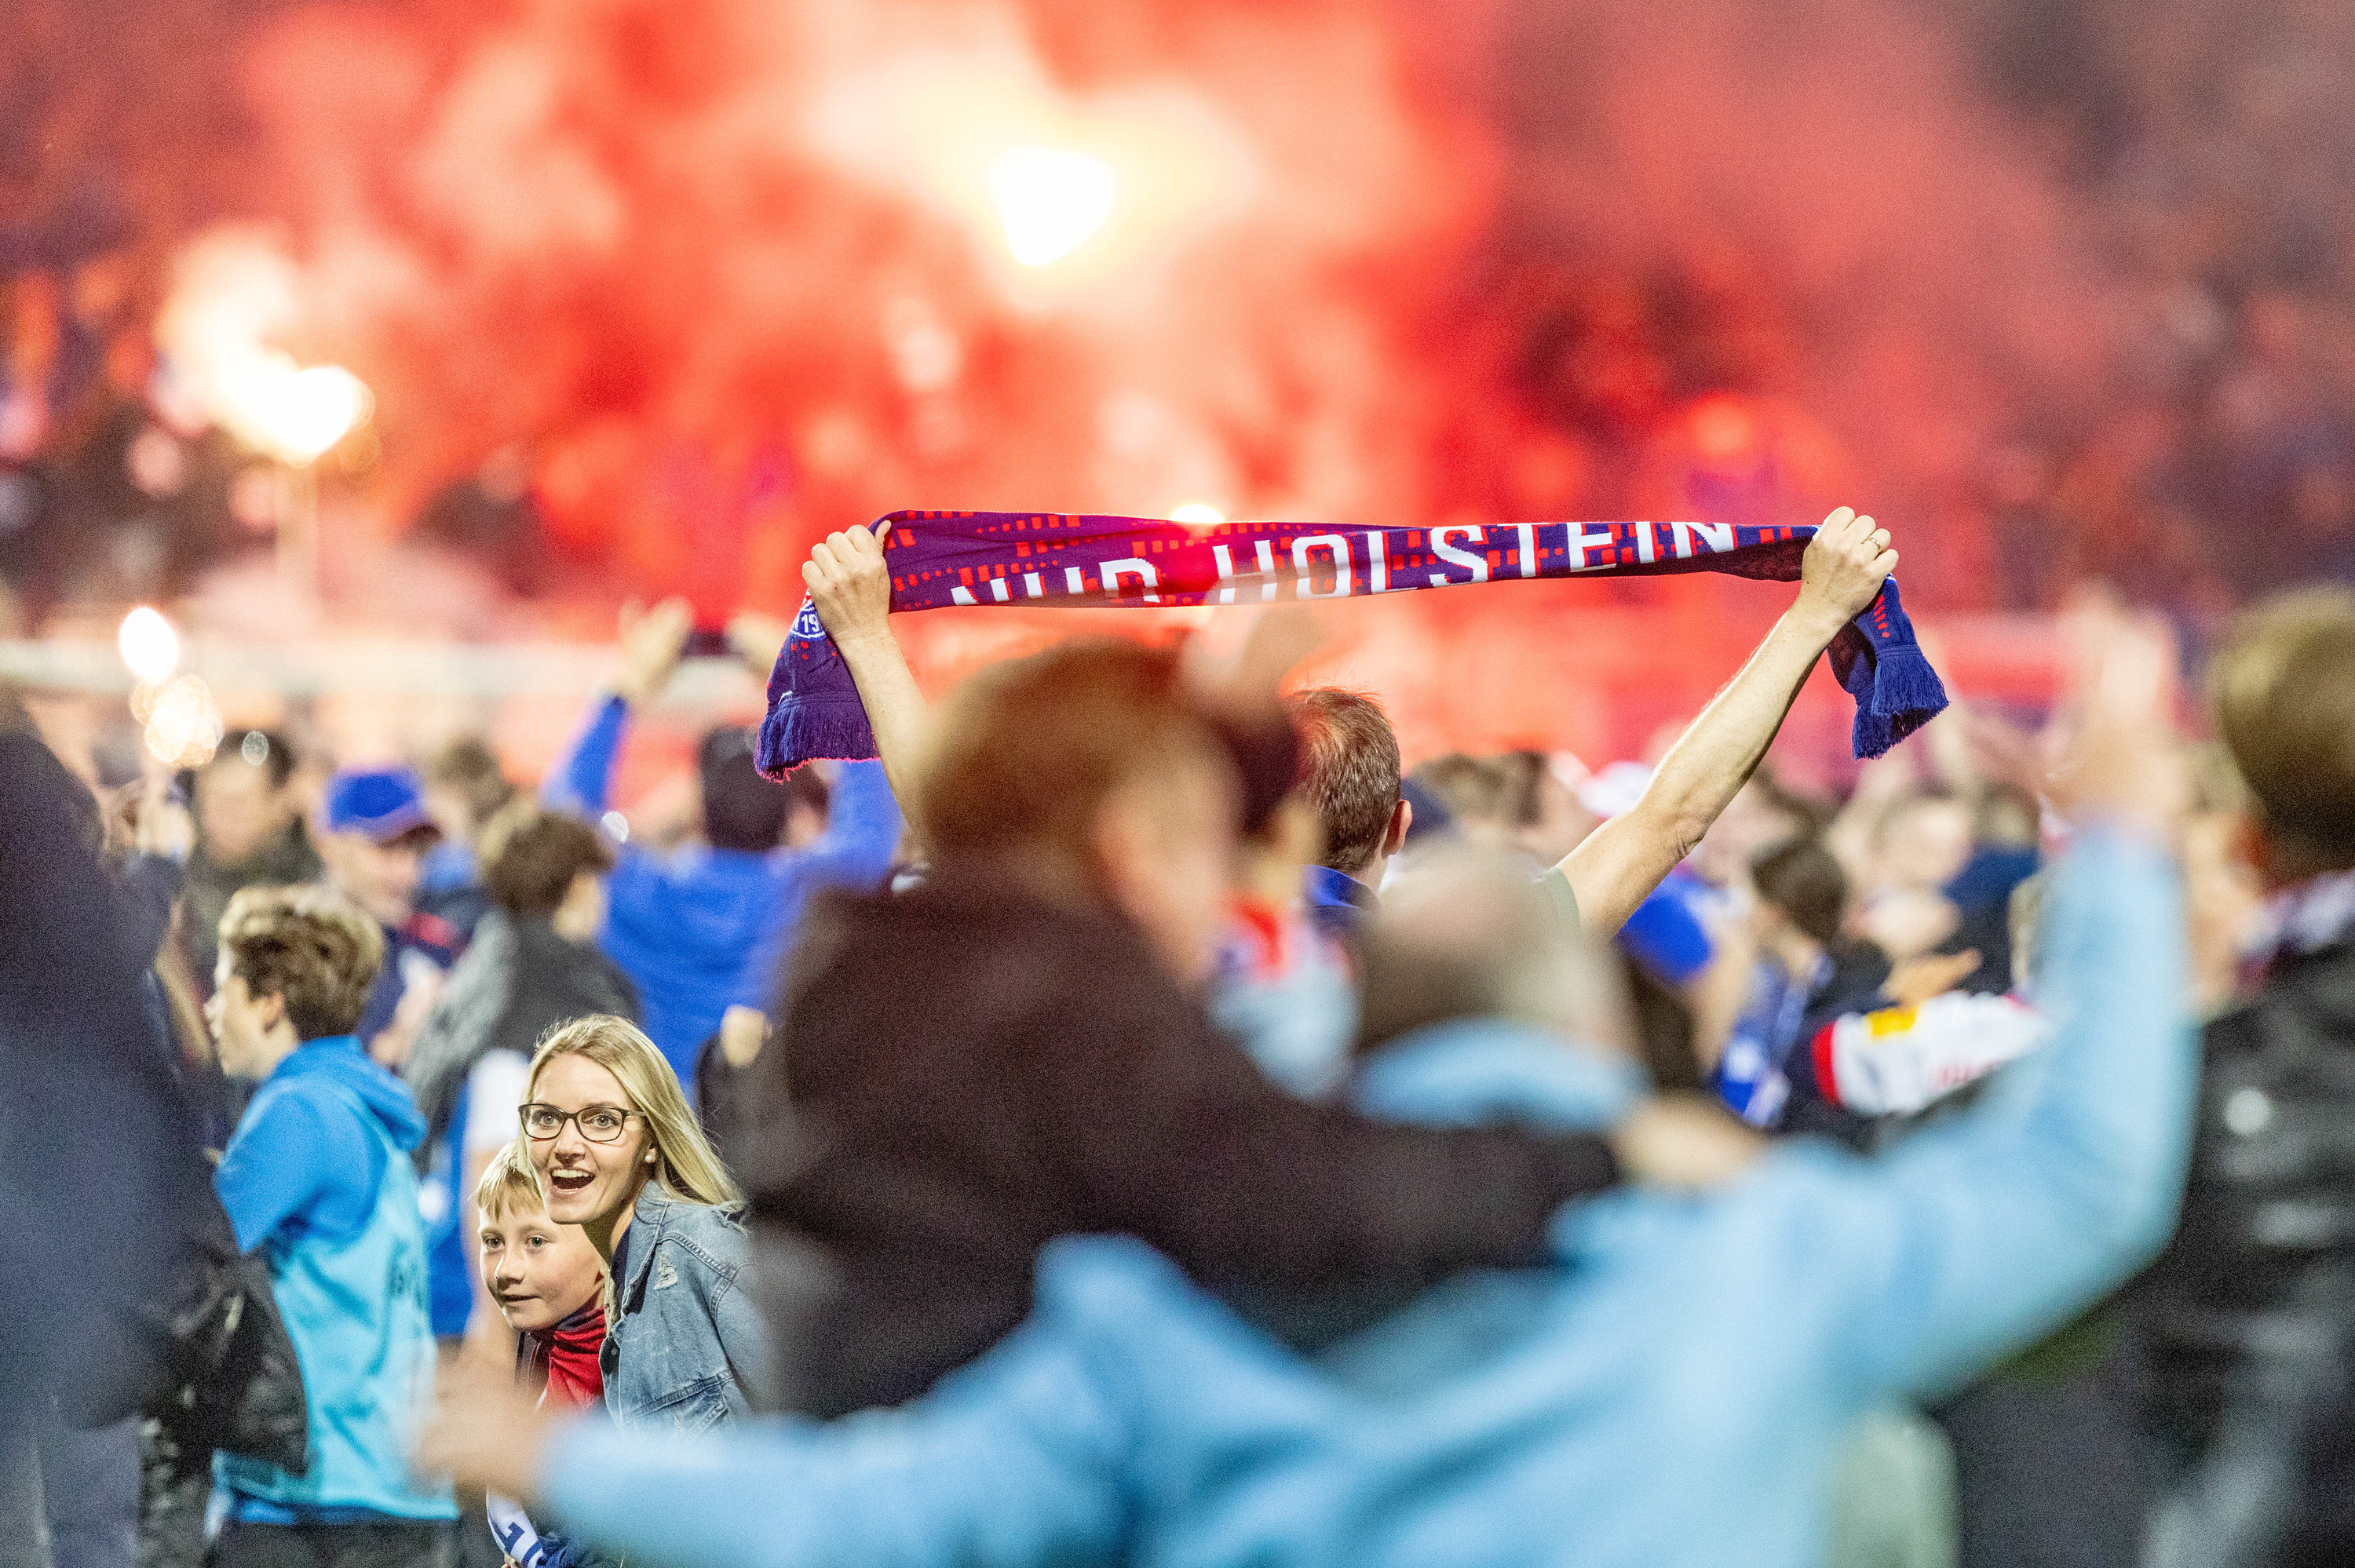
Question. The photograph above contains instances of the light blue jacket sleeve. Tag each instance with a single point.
(1973, 1236)
(1014, 1460)
(583, 780)
(862, 835)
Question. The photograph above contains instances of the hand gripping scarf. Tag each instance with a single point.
(1044, 561)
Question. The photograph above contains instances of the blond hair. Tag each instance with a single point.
(685, 1164)
(510, 1183)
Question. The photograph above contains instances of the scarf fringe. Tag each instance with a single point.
(802, 728)
(1906, 695)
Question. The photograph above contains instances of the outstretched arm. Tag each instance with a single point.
(1622, 860)
(651, 643)
(1018, 1458)
(852, 589)
(1973, 1236)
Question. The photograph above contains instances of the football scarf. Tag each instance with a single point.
(1045, 560)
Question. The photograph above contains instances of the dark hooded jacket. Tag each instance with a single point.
(967, 1073)
(99, 1151)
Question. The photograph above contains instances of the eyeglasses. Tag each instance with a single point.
(598, 1124)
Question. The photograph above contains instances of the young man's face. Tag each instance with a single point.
(241, 1025)
(239, 810)
(539, 1272)
(379, 878)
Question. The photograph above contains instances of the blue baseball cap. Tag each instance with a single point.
(385, 803)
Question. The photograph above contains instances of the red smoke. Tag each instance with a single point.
(682, 255)
(700, 260)
(717, 275)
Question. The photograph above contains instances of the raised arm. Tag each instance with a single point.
(1622, 860)
(852, 589)
(651, 644)
(862, 835)
(1973, 1236)
(1019, 1458)
(862, 827)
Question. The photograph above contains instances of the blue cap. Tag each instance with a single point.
(385, 803)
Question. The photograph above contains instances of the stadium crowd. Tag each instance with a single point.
(1137, 1119)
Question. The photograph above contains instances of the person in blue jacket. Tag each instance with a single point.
(1622, 1408)
(374, 834)
(317, 1177)
(708, 927)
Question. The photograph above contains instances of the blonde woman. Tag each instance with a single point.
(620, 1155)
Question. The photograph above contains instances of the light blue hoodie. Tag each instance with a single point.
(1622, 1410)
(317, 1177)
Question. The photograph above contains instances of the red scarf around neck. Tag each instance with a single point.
(568, 1355)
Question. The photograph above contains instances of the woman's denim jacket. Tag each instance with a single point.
(687, 1347)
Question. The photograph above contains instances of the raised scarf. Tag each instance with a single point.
(1045, 560)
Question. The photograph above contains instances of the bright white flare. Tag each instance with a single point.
(233, 292)
(1051, 200)
(183, 727)
(294, 414)
(151, 649)
(303, 413)
(1198, 514)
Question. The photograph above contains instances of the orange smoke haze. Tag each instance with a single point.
(725, 273)
(734, 274)
(2050, 288)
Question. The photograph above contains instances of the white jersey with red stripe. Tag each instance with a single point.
(1898, 1060)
